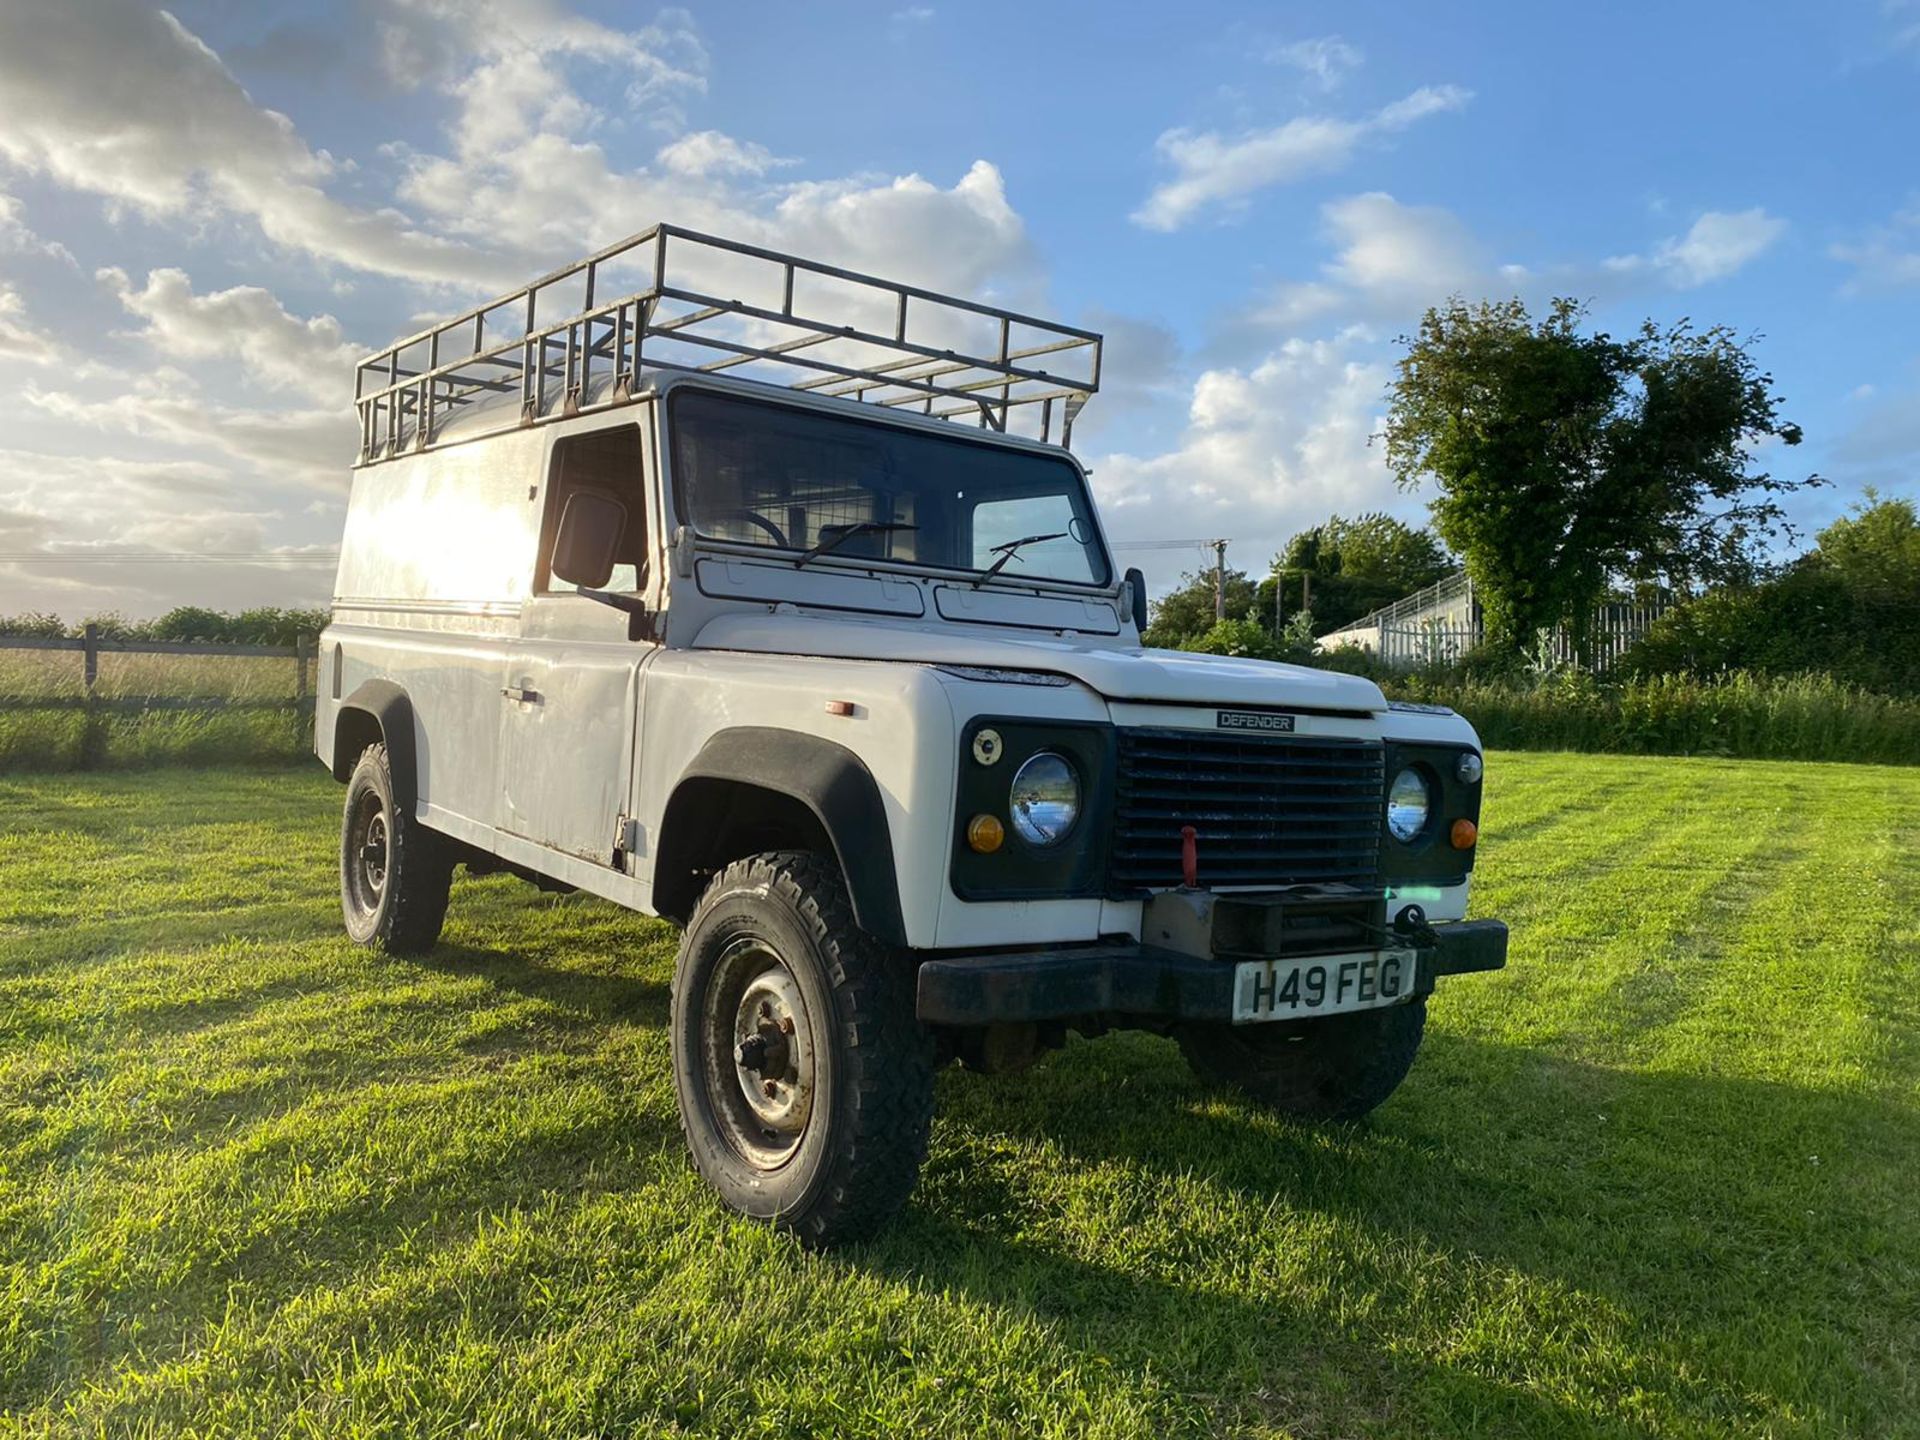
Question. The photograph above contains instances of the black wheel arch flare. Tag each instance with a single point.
(828, 779)
(387, 705)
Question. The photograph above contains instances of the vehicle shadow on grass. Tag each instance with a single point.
(1739, 1249)
(597, 996)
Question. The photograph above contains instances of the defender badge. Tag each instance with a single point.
(1253, 720)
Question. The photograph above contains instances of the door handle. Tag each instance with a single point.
(520, 695)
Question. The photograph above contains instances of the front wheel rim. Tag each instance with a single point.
(758, 1054)
(369, 854)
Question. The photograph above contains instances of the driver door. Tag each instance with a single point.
(570, 694)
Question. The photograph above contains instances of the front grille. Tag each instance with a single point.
(1269, 812)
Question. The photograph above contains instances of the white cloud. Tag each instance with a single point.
(19, 340)
(525, 159)
(1887, 257)
(125, 103)
(1213, 170)
(247, 322)
(17, 238)
(1718, 245)
(1391, 261)
(1328, 60)
(1404, 251)
(1267, 450)
(1905, 15)
(539, 103)
(69, 507)
(311, 447)
(708, 152)
(518, 87)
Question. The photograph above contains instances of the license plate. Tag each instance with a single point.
(1321, 985)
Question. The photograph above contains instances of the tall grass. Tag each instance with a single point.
(48, 724)
(41, 740)
(1800, 717)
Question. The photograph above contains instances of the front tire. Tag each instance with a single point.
(804, 1080)
(1340, 1068)
(394, 872)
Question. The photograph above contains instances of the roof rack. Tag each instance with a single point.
(811, 327)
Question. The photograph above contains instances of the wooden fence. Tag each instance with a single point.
(100, 707)
(91, 644)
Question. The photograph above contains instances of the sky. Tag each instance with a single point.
(207, 212)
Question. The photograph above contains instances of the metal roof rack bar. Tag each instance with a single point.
(917, 355)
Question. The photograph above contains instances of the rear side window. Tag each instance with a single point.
(609, 463)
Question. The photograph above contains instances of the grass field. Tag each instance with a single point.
(1660, 1176)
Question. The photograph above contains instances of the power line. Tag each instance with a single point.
(1219, 547)
(171, 557)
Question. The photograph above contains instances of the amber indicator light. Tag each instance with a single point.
(985, 834)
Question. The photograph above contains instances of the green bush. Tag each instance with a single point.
(1849, 608)
(1246, 638)
(34, 625)
(264, 625)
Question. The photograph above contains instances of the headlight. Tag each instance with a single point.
(1045, 800)
(1409, 803)
(1469, 768)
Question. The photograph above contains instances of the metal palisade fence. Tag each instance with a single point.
(1442, 623)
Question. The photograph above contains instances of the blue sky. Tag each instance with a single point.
(1251, 200)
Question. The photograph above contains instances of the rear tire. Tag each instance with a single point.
(804, 1079)
(1339, 1068)
(394, 872)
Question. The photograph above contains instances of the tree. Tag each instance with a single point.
(1374, 547)
(1188, 611)
(1565, 461)
(1354, 566)
(1875, 548)
(1849, 608)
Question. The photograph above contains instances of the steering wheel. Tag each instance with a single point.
(753, 517)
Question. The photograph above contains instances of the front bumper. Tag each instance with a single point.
(1145, 982)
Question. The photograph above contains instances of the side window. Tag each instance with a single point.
(609, 463)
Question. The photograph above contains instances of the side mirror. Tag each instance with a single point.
(1137, 583)
(589, 540)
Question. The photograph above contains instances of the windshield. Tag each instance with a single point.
(760, 473)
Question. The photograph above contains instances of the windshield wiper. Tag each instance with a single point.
(834, 536)
(1011, 550)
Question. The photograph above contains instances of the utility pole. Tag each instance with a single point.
(1219, 579)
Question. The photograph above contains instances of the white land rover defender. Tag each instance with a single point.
(699, 600)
